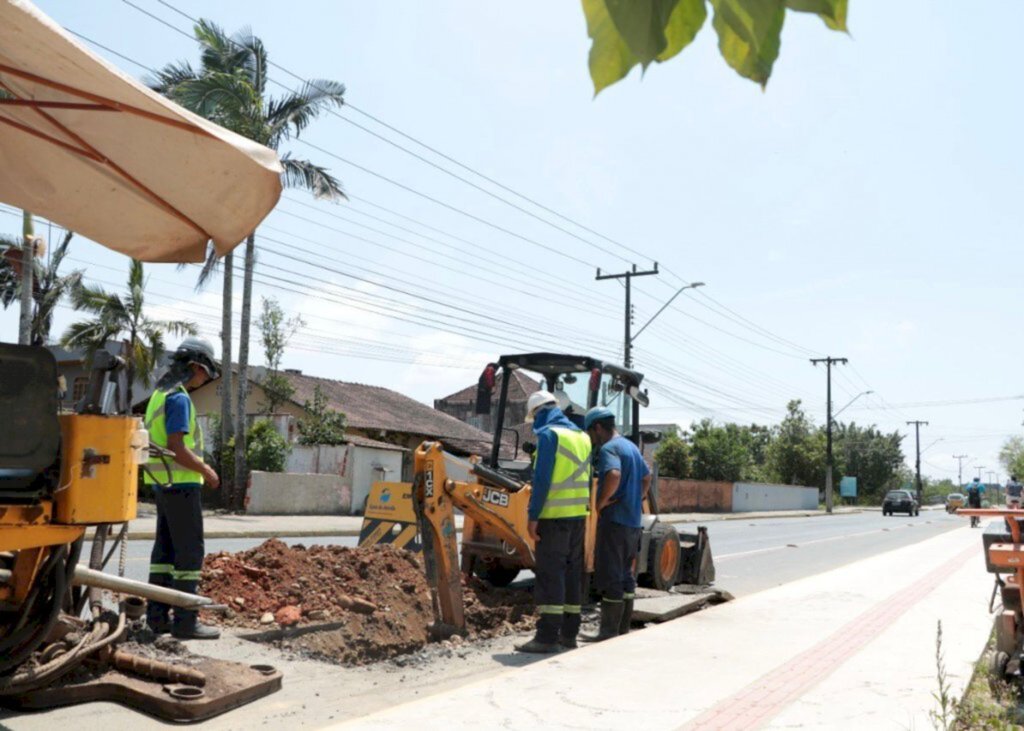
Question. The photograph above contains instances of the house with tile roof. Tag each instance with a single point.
(372, 413)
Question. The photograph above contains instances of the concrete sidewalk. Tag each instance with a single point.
(226, 525)
(851, 648)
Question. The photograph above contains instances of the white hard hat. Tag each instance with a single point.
(199, 351)
(538, 401)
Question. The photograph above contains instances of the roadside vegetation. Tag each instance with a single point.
(988, 703)
(791, 452)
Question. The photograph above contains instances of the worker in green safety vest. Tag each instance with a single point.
(178, 551)
(559, 504)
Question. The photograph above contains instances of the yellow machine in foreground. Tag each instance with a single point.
(58, 474)
(493, 493)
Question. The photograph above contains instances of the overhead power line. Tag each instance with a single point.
(731, 314)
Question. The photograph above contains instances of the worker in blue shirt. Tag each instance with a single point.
(623, 479)
(559, 505)
(177, 557)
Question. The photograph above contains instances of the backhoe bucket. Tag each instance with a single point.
(696, 567)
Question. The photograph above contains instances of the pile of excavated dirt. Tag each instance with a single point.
(348, 605)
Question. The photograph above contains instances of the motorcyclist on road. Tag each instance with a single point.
(975, 490)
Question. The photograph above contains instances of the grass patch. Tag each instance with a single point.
(988, 703)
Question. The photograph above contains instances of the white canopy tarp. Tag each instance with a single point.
(87, 146)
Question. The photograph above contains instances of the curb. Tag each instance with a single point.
(148, 535)
(715, 517)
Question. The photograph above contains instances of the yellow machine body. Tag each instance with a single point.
(99, 468)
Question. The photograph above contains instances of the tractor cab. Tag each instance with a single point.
(578, 383)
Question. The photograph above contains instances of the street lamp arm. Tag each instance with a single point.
(865, 393)
(670, 300)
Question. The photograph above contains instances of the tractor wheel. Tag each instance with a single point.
(497, 575)
(664, 557)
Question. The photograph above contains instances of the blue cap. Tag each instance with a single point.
(598, 413)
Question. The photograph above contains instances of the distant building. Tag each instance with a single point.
(462, 404)
(662, 430)
(74, 367)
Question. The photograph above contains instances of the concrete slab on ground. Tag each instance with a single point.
(662, 606)
(850, 648)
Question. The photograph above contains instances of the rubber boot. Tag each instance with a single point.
(188, 627)
(570, 629)
(186, 624)
(627, 615)
(545, 641)
(611, 620)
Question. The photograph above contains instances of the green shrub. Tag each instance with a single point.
(266, 450)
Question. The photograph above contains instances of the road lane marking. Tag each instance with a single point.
(805, 543)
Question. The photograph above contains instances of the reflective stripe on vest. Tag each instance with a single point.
(156, 425)
(569, 495)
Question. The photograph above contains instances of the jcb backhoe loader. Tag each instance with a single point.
(493, 492)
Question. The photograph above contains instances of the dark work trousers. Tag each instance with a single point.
(613, 561)
(558, 588)
(177, 557)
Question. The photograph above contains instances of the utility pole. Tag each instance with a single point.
(917, 432)
(627, 349)
(979, 470)
(829, 362)
(28, 245)
(959, 469)
(627, 353)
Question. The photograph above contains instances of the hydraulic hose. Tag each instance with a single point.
(28, 645)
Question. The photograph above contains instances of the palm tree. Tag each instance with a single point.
(115, 315)
(49, 286)
(230, 88)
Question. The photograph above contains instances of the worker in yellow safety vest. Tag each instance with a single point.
(559, 504)
(178, 551)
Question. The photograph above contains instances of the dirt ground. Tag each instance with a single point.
(347, 605)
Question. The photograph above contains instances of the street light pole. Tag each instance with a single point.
(628, 414)
(917, 431)
(959, 469)
(829, 361)
(627, 352)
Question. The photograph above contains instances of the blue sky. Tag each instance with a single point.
(866, 205)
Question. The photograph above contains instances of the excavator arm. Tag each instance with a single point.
(492, 500)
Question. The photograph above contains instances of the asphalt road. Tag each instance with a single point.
(759, 554)
(750, 555)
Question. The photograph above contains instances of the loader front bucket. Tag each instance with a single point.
(696, 566)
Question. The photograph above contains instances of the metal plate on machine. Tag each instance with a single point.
(228, 685)
(389, 517)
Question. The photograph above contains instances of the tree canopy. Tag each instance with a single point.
(791, 452)
(628, 33)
